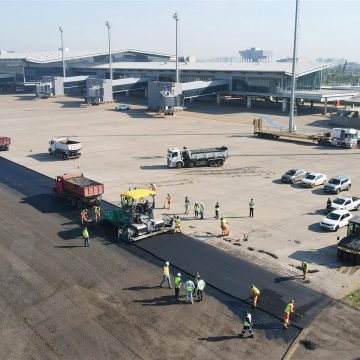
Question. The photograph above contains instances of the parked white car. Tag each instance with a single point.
(123, 107)
(335, 220)
(313, 179)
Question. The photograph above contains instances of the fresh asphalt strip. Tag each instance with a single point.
(226, 273)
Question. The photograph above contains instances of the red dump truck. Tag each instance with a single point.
(4, 143)
(79, 190)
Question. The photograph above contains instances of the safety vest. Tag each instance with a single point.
(177, 282)
(166, 270)
(177, 222)
(305, 266)
(83, 213)
(289, 307)
(251, 204)
(223, 223)
(85, 233)
(201, 284)
(97, 210)
(255, 290)
(189, 286)
(247, 321)
(196, 207)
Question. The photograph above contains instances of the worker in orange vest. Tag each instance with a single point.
(289, 308)
(224, 227)
(169, 200)
(84, 216)
(255, 293)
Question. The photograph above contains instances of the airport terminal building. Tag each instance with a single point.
(134, 70)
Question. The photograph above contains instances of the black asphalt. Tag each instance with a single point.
(223, 271)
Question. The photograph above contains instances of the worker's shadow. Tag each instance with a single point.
(139, 288)
(287, 278)
(219, 338)
(158, 301)
(68, 246)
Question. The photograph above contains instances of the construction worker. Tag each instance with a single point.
(196, 209)
(305, 268)
(197, 277)
(153, 188)
(177, 225)
(169, 200)
(202, 210)
(200, 288)
(251, 208)
(177, 285)
(97, 213)
(255, 293)
(85, 235)
(84, 216)
(187, 203)
(189, 288)
(247, 326)
(289, 308)
(224, 227)
(166, 275)
(217, 208)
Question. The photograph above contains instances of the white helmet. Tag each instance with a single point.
(167, 263)
(178, 274)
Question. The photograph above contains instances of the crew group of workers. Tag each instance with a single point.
(193, 287)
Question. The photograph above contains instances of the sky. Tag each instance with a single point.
(207, 29)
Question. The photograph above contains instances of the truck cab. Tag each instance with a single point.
(349, 246)
(174, 158)
(344, 138)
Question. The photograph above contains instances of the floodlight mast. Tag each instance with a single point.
(176, 18)
(107, 24)
(293, 78)
(62, 51)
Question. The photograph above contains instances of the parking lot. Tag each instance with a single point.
(128, 149)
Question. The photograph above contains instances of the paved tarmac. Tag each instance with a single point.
(230, 274)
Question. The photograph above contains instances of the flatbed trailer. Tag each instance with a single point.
(79, 190)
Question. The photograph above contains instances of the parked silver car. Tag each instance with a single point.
(293, 175)
(337, 184)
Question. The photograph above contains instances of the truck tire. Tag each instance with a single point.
(220, 162)
(212, 163)
(191, 164)
(343, 145)
(65, 156)
(179, 164)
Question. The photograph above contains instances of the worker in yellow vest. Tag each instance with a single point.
(255, 293)
(189, 288)
(177, 225)
(97, 213)
(85, 235)
(305, 268)
(289, 308)
(177, 285)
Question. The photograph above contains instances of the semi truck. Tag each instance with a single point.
(177, 158)
(78, 190)
(349, 246)
(339, 137)
(4, 143)
(65, 148)
(134, 218)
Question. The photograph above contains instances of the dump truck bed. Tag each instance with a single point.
(4, 140)
(83, 186)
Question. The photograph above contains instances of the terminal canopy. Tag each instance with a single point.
(138, 194)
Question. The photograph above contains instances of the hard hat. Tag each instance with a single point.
(292, 301)
(167, 263)
(252, 285)
(178, 274)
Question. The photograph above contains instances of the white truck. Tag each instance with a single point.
(65, 148)
(177, 158)
(346, 203)
(341, 137)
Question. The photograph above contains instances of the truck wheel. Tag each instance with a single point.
(179, 164)
(343, 145)
(65, 157)
(220, 162)
(212, 163)
(191, 164)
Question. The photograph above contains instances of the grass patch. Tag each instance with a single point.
(353, 299)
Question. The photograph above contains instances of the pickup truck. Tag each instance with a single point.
(4, 143)
(65, 148)
(346, 202)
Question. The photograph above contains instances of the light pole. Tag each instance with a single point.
(62, 50)
(109, 38)
(176, 18)
(292, 103)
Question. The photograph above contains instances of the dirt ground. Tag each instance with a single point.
(128, 149)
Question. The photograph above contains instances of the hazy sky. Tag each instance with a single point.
(328, 28)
